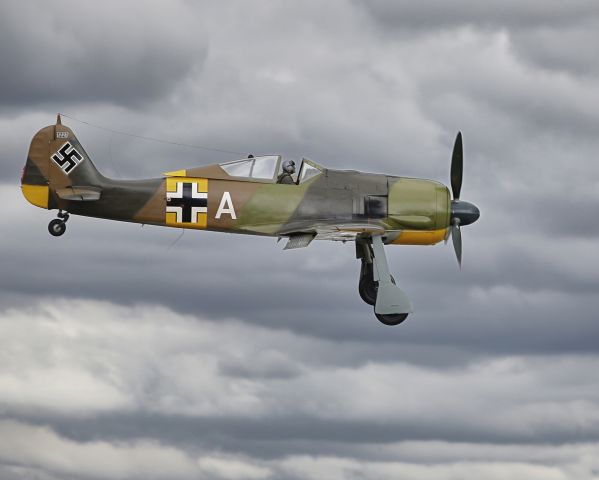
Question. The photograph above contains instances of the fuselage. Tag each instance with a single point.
(237, 197)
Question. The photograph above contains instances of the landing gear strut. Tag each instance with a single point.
(377, 287)
(59, 225)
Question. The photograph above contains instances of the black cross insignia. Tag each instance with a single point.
(186, 202)
(67, 160)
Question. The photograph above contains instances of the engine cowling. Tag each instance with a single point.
(419, 209)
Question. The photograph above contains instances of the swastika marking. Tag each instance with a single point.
(67, 158)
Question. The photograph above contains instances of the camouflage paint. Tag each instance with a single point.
(411, 211)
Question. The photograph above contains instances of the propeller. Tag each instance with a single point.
(457, 167)
(456, 238)
(462, 213)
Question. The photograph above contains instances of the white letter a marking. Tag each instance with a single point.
(226, 206)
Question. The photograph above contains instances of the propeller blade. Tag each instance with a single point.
(457, 166)
(456, 236)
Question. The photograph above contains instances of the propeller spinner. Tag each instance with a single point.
(462, 213)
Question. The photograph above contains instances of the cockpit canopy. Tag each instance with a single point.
(268, 168)
(264, 168)
(308, 170)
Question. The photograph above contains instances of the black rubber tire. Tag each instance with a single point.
(368, 289)
(391, 320)
(57, 227)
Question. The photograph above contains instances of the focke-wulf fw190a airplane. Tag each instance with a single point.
(243, 196)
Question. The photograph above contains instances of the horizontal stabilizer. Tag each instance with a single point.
(79, 194)
(299, 241)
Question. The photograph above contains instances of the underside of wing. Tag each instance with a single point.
(344, 232)
(339, 233)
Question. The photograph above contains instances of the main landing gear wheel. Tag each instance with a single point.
(391, 304)
(367, 287)
(57, 227)
(391, 319)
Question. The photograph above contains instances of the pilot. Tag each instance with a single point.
(288, 170)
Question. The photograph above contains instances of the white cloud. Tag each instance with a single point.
(41, 448)
(88, 357)
(231, 468)
(28, 451)
(340, 469)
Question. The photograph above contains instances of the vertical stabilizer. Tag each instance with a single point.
(56, 160)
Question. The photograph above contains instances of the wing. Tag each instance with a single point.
(347, 231)
(336, 232)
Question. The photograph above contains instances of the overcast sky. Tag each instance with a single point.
(222, 357)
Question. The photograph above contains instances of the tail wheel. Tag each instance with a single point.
(57, 227)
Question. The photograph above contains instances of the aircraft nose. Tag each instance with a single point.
(466, 212)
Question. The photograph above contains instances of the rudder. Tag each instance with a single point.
(56, 161)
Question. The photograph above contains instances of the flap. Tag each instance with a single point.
(299, 241)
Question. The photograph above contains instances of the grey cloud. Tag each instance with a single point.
(439, 14)
(108, 52)
(166, 368)
(318, 296)
(192, 409)
(406, 459)
(285, 333)
(570, 215)
(19, 472)
(265, 364)
(569, 49)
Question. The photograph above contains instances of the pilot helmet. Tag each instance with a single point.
(289, 166)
